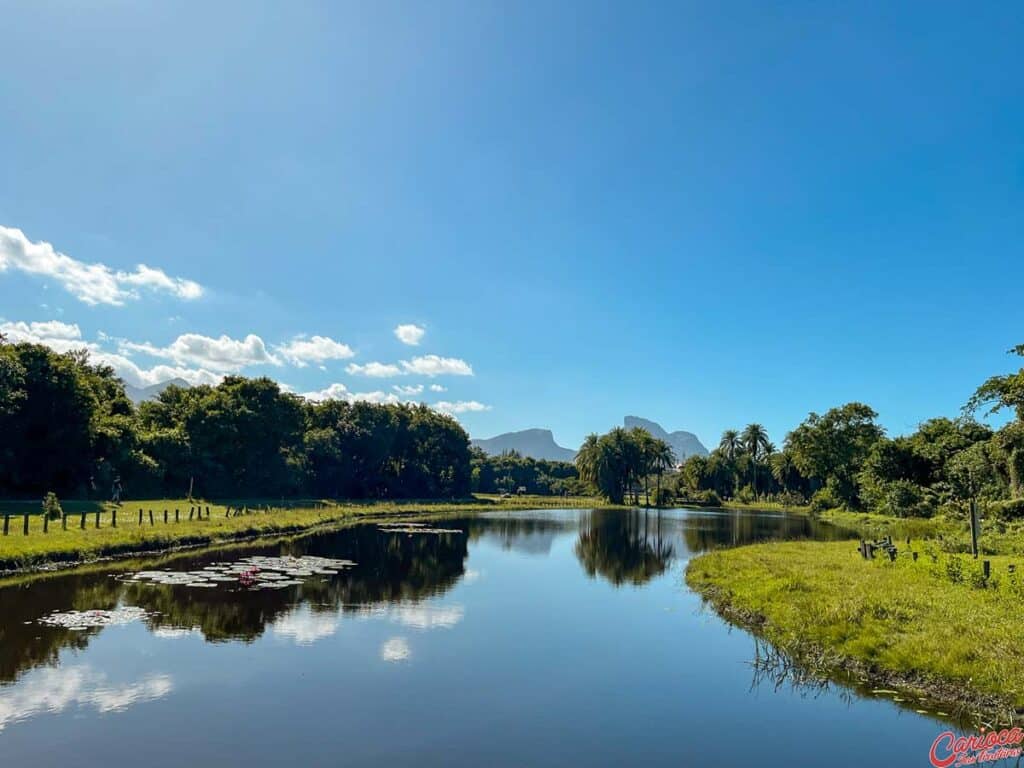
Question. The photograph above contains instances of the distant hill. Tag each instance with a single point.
(535, 443)
(684, 444)
(141, 394)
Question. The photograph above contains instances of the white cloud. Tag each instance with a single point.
(374, 370)
(410, 334)
(220, 354)
(409, 391)
(90, 283)
(433, 365)
(63, 337)
(58, 336)
(438, 388)
(338, 391)
(301, 351)
(395, 649)
(459, 406)
(49, 689)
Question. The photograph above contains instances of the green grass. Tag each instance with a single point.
(932, 627)
(768, 506)
(77, 544)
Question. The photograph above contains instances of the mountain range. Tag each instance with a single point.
(535, 443)
(141, 394)
(540, 443)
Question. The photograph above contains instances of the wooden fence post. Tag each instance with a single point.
(986, 568)
(97, 518)
(151, 517)
(46, 523)
(165, 517)
(113, 518)
(7, 523)
(81, 522)
(140, 515)
(177, 519)
(191, 511)
(25, 525)
(64, 521)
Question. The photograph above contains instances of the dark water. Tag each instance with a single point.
(541, 638)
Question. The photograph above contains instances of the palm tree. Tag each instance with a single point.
(755, 440)
(730, 446)
(662, 457)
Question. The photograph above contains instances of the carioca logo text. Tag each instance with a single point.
(949, 749)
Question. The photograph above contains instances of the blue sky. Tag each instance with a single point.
(702, 213)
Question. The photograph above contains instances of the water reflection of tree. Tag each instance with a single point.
(390, 567)
(529, 535)
(623, 547)
(730, 529)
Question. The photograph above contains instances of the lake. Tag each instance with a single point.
(548, 638)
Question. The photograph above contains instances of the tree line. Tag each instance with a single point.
(843, 458)
(68, 427)
(513, 473)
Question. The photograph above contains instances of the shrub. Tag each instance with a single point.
(746, 495)
(51, 507)
(824, 499)
(1008, 509)
(663, 497)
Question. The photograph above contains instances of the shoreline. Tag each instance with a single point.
(890, 630)
(64, 550)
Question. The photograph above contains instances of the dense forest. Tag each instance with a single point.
(68, 427)
(843, 458)
(512, 473)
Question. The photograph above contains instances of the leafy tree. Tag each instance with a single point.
(833, 447)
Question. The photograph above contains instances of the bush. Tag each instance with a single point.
(746, 495)
(664, 497)
(708, 498)
(51, 507)
(823, 500)
(1008, 509)
(907, 499)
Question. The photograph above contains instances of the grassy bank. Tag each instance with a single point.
(768, 506)
(933, 628)
(248, 519)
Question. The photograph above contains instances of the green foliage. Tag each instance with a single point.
(833, 447)
(620, 461)
(68, 427)
(510, 471)
(51, 506)
(824, 499)
(664, 497)
(1008, 509)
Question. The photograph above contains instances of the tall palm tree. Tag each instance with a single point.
(662, 457)
(755, 441)
(730, 446)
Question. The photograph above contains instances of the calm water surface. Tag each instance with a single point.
(540, 638)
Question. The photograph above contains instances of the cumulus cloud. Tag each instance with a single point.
(438, 388)
(409, 391)
(90, 283)
(374, 370)
(301, 351)
(459, 406)
(434, 365)
(338, 391)
(410, 334)
(64, 337)
(58, 336)
(221, 354)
